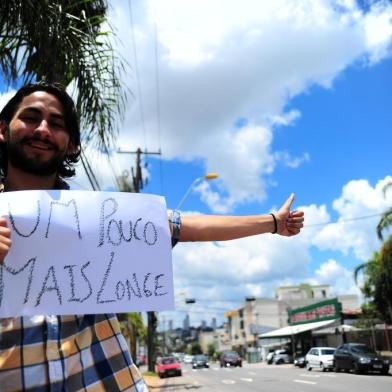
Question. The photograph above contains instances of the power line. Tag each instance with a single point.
(139, 89)
(158, 105)
(89, 172)
(112, 168)
(344, 220)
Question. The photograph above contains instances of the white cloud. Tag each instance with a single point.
(244, 62)
(358, 199)
(338, 277)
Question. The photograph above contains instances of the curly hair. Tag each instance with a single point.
(71, 119)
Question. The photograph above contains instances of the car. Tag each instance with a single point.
(167, 366)
(140, 360)
(230, 358)
(200, 361)
(269, 357)
(359, 358)
(188, 358)
(300, 361)
(320, 358)
(282, 356)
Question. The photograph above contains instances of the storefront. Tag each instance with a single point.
(297, 336)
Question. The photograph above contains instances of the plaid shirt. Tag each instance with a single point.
(68, 353)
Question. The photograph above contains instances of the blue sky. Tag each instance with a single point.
(277, 97)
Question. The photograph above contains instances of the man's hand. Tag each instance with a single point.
(5, 239)
(289, 222)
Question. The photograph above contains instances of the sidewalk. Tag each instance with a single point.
(154, 383)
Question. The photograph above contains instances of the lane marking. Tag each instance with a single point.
(306, 382)
(252, 373)
(228, 381)
(310, 375)
(247, 379)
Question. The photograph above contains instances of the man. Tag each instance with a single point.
(39, 143)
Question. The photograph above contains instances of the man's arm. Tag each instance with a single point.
(222, 228)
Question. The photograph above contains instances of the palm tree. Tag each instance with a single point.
(378, 282)
(386, 219)
(64, 41)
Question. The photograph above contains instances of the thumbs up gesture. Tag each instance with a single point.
(288, 222)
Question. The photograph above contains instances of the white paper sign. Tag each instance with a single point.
(79, 252)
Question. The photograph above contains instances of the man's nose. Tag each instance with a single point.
(43, 129)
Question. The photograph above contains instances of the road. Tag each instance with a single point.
(273, 378)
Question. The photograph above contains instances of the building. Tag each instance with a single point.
(257, 316)
(304, 291)
(186, 323)
(213, 324)
(218, 337)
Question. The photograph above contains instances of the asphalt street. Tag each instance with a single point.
(273, 378)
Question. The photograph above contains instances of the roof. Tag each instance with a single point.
(295, 329)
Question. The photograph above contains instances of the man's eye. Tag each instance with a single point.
(30, 118)
(59, 125)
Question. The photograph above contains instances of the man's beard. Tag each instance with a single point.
(34, 165)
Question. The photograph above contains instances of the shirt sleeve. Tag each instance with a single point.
(175, 220)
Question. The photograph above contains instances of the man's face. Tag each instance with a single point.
(37, 139)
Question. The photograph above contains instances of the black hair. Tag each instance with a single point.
(71, 119)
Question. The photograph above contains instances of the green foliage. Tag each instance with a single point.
(377, 287)
(211, 349)
(195, 349)
(63, 41)
(383, 284)
(137, 322)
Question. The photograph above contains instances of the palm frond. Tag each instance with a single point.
(61, 41)
(359, 268)
(385, 221)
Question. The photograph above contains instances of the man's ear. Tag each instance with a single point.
(3, 131)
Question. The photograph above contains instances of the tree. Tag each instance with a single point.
(64, 41)
(211, 349)
(371, 270)
(383, 284)
(378, 283)
(195, 349)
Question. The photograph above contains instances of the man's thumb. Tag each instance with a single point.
(287, 204)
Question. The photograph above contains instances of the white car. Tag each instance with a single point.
(188, 358)
(320, 358)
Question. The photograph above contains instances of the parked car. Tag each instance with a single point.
(140, 360)
(300, 361)
(360, 359)
(269, 357)
(168, 366)
(320, 358)
(282, 356)
(200, 361)
(230, 358)
(179, 356)
(188, 358)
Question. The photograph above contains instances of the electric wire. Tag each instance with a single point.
(139, 89)
(92, 174)
(158, 105)
(116, 177)
(87, 168)
(344, 220)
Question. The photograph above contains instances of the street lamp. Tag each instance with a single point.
(208, 177)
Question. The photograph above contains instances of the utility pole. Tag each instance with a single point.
(137, 181)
